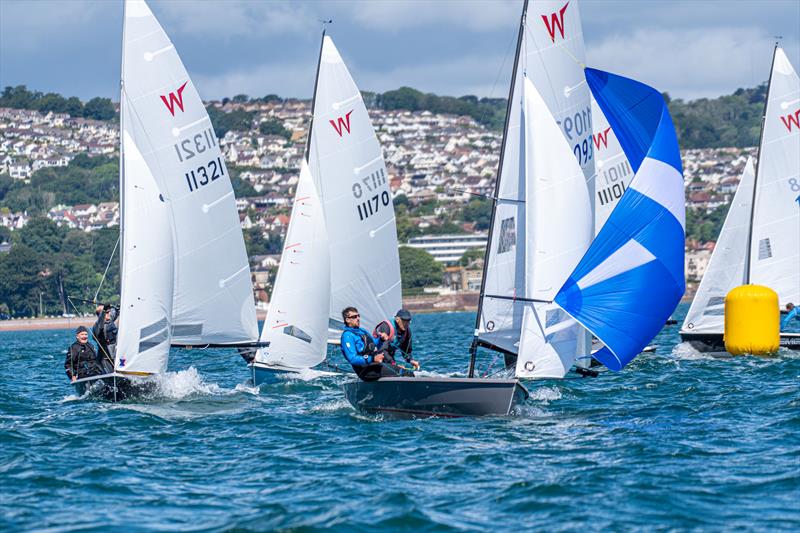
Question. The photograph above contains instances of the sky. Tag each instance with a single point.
(690, 49)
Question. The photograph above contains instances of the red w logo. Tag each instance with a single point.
(174, 100)
(601, 138)
(790, 119)
(556, 21)
(342, 123)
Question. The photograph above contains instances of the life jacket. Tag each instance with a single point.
(384, 327)
(369, 344)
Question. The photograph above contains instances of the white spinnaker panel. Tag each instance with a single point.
(613, 170)
(213, 297)
(726, 268)
(559, 230)
(348, 167)
(296, 325)
(147, 260)
(775, 252)
(552, 54)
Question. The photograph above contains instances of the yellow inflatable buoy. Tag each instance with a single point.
(752, 320)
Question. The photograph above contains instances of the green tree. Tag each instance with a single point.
(237, 120)
(472, 255)
(99, 109)
(419, 269)
(41, 234)
(479, 211)
(20, 280)
(274, 127)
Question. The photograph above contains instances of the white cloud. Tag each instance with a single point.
(472, 15)
(29, 25)
(259, 80)
(228, 20)
(689, 63)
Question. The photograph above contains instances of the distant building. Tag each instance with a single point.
(448, 249)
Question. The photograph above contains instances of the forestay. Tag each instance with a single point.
(775, 248)
(631, 278)
(558, 225)
(726, 269)
(213, 297)
(296, 325)
(552, 55)
(348, 168)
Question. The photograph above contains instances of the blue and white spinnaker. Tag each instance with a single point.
(631, 277)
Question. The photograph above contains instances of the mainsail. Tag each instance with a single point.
(296, 325)
(212, 293)
(774, 258)
(726, 269)
(614, 172)
(631, 278)
(347, 165)
(550, 52)
(558, 222)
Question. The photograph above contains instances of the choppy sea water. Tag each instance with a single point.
(677, 441)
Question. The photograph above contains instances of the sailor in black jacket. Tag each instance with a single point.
(81, 358)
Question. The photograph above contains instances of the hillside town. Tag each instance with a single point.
(434, 160)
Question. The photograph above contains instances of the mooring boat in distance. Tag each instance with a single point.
(760, 240)
(185, 278)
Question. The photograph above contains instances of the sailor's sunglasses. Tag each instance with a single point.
(352, 316)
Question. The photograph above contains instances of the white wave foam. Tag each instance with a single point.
(333, 405)
(545, 395)
(306, 374)
(685, 351)
(178, 385)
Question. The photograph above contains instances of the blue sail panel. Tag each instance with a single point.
(631, 278)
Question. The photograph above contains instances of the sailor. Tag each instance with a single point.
(360, 348)
(401, 343)
(81, 358)
(105, 330)
(792, 313)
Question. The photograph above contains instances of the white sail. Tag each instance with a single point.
(775, 244)
(613, 170)
(213, 299)
(147, 261)
(559, 230)
(552, 55)
(296, 325)
(347, 163)
(726, 268)
(147, 273)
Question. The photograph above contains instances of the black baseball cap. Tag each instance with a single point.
(81, 329)
(403, 314)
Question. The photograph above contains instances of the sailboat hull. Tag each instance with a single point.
(714, 342)
(115, 387)
(407, 397)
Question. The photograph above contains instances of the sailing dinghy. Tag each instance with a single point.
(185, 278)
(760, 239)
(343, 212)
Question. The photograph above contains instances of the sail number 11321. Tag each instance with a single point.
(205, 174)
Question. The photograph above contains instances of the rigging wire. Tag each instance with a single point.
(105, 272)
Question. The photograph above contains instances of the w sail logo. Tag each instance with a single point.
(174, 100)
(601, 138)
(792, 120)
(555, 22)
(342, 123)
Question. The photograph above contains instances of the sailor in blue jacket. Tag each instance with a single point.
(359, 348)
(793, 312)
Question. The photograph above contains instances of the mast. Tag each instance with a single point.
(747, 256)
(121, 149)
(473, 349)
(316, 82)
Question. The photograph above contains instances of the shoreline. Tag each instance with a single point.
(432, 303)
